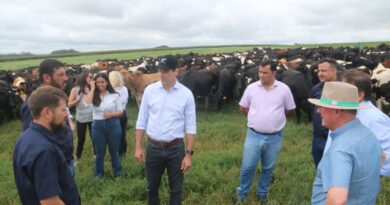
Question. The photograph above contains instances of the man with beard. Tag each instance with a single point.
(52, 73)
(40, 169)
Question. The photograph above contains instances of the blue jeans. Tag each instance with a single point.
(107, 132)
(317, 150)
(256, 147)
(157, 160)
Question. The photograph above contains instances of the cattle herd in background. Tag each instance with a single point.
(218, 77)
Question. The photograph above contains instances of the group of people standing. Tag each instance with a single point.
(351, 137)
(43, 159)
(348, 167)
(100, 105)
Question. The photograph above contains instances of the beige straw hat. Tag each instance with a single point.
(338, 95)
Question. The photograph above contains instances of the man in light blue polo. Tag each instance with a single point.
(266, 104)
(348, 173)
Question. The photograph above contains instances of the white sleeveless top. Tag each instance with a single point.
(83, 111)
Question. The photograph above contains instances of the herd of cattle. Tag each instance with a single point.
(218, 77)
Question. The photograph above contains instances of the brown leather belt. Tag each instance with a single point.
(164, 144)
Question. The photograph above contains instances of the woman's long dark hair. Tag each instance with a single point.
(96, 95)
(82, 82)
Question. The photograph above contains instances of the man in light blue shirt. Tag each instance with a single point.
(372, 117)
(348, 173)
(167, 113)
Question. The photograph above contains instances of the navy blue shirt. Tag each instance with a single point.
(318, 129)
(40, 168)
(65, 136)
(25, 115)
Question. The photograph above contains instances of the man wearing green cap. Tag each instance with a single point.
(348, 173)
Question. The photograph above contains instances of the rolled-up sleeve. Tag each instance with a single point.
(143, 112)
(190, 115)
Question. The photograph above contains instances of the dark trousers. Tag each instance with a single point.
(123, 122)
(157, 160)
(317, 149)
(81, 133)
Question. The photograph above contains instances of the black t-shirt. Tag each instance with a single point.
(40, 168)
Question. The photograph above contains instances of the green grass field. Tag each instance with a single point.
(213, 177)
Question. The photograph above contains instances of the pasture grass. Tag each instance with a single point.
(213, 177)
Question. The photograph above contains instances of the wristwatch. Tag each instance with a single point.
(190, 152)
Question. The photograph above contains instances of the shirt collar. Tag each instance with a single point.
(43, 130)
(275, 84)
(366, 103)
(176, 86)
(335, 133)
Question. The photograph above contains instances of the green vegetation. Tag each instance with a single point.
(19, 62)
(213, 177)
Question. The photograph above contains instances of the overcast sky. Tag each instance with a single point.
(41, 26)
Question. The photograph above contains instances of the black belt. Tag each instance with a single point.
(262, 133)
(164, 144)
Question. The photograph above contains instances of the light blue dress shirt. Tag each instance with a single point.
(352, 162)
(379, 124)
(166, 115)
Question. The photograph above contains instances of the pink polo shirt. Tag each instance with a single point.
(267, 107)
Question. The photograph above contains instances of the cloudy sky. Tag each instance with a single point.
(41, 26)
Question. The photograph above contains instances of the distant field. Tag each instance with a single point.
(91, 58)
(13, 63)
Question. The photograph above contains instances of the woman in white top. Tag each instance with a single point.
(106, 129)
(116, 81)
(77, 98)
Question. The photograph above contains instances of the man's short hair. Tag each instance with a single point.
(48, 66)
(269, 62)
(333, 64)
(46, 96)
(361, 80)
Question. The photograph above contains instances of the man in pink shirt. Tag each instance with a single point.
(266, 104)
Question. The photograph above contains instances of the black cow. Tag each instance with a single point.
(226, 84)
(201, 83)
(9, 102)
(300, 86)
